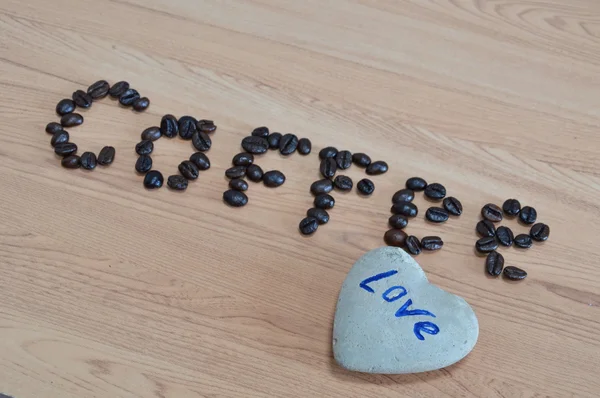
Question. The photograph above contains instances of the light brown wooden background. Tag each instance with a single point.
(110, 290)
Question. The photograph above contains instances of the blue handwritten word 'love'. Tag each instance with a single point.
(397, 292)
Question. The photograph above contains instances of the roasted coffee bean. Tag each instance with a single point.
(485, 228)
(395, 237)
(65, 106)
(60, 137)
(453, 206)
(71, 119)
(343, 159)
(153, 179)
(255, 145)
(235, 198)
(343, 183)
(505, 236)
(144, 147)
(143, 164)
(416, 184)
(320, 214)
(235, 172)
(106, 156)
(200, 160)
(511, 207)
(407, 209)
(435, 191)
(129, 97)
(238, 184)
(365, 186)
(487, 244)
(324, 201)
(514, 273)
(274, 140)
(540, 232)
(88, 160)
(321, 186)
(201, 141)
(436, 214)
(361, 159)
(377, 168)
(187, 127)
(432, 243)
(308, 226)
(188, 169)
(328, 167)
(304, 146)
(528, 215)
(328, 152)
(523, 241)
(99, 89)
(65, 149)
(494, 263)
(413, 245)
(398, 221)
(273, 178)
(243, 159)
(53, 128)
(169, 126)
(261, 132)
(140, 105)
(288, 144)
(177, 182)
(82, 99)
(254, 173)
(71, 162)
(151, 133)
(207, 126)
(118, 89)
(403, 195)
(491, 212)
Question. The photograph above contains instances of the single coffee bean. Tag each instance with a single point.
(99, 89)
(494, 263)
(435, 191)
(436, 214)
(308, 226)
(118, 89)
(188, 170)
(487, 244)
(343, 159)
(106, 156)
(201, 141)
(65, 149)
(403, 195)
(129, 97)
(273, 178)
(328, 167)
(523, 241)
(491, 212)
(274, 139)
(514, 273)
(261, 132)
(343, 183)
(177, 182)
(361, 159)
(153, 179)
(505, 236)
(395, 237)
(398, 221)
(143, 164)
(511, 207)
(243, 159)
(540, 232)
(304, 146)
(71, 162)
(377, 168)
(60, 137)
(328, 152)
(324, 201)
(416, 184)
(235, 172)
(413, 245)
(432, 243)
(71, 120)
(238, 184)
(88, 160)
(200, 160)
(144, 147)
(485, 228)
(235, 198)
(169, 126)
(53, 128)
(65, 106)
(187, 127)
(207, 126)
(528, 215)
(453, 206)
(288, 144)
(321, 186)
(320, 214)
(151, 133)
(407, 209)
(82, 99)
(254, 173)
(140, 105)
(365, 187)
(255, 145)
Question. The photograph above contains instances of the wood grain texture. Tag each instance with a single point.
(111, 290)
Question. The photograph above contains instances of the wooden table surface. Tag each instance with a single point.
(112, 290)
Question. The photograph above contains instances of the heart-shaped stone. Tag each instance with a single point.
(390, 319)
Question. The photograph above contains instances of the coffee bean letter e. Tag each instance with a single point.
(397, 292)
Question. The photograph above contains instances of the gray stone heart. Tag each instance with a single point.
(390, 319)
